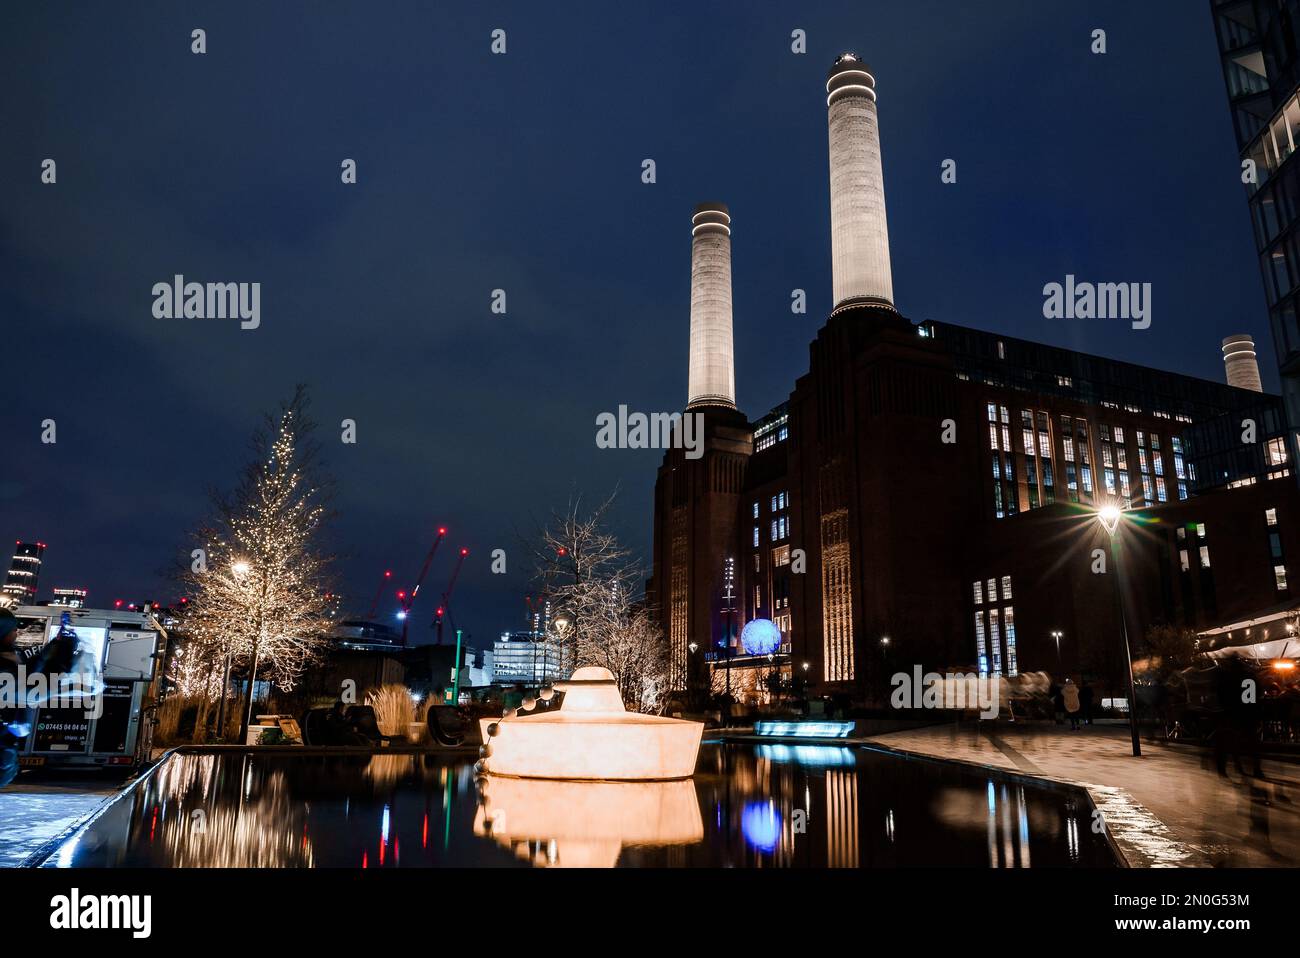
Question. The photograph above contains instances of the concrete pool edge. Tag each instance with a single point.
(41, 855)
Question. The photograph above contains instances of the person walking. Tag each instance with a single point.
(1070, 697)
(1085, 702)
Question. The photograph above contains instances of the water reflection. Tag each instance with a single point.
(586, 824)
(767, 806)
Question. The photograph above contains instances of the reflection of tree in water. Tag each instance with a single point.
(206, 812)
(386, 772)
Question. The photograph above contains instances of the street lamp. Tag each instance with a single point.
(563, 622)
(240, 568)
(1109, 517)
(1057, 634)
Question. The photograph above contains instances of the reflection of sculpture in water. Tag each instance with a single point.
(586, 824)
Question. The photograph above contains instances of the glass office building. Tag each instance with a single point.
(1259, 43)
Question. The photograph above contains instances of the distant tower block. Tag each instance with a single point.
(1240, 364)
(859, 231)
(712, 379)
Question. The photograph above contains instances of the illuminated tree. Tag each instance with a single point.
(585, 571)
(260, 583)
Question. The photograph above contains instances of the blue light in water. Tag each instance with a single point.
(760, 637)
(828, 756)
(761, 824)
(804, 729)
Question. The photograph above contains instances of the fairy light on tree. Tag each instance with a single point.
(262, 595)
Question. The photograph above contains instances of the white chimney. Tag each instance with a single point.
(859, 231)
(1240, 364)
(712, 380)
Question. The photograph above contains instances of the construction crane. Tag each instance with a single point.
(444, 607)
(383, 584)
(408, 598)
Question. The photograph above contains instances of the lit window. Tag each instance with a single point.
(756, 510)
(755, 535)
(995, 638)
(1200, 530)
(1006, 587)
(1279, 576)
(993, 590)
(1276, 452)
(979, 593)
(981, 647)
(1009, 628)
(1270, 516)
(1183, 562)
(1205, 557)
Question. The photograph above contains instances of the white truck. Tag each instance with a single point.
(123, 651)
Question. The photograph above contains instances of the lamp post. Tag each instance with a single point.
(1109, 517)
(1057, 634)
(240, 569)
(563, 623)
(455, 673)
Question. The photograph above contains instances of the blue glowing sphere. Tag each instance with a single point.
(761, 824)
(760, 637)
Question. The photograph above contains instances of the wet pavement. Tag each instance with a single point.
(41, 805)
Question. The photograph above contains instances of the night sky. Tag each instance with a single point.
(523, 172)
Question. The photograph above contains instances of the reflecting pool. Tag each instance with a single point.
(771, 805)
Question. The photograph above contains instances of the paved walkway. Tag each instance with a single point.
(41, 805)
(1168, 808)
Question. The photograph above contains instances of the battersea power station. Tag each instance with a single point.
(934, 495)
